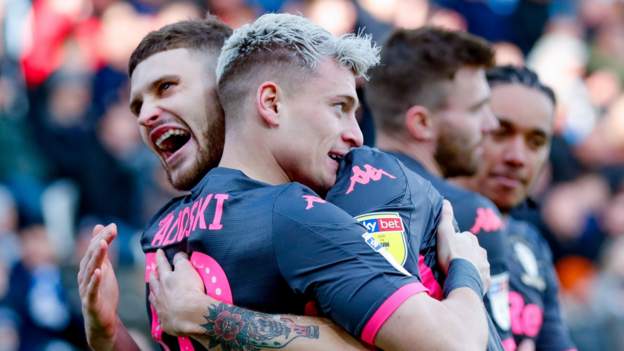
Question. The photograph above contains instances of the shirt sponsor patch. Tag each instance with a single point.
(383, 251)
(387, 228)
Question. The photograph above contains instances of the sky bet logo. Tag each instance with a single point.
(376, 225)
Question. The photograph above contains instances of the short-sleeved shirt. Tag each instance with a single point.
(275, 248)
(535, 312)
(480, 216)
(400, 208)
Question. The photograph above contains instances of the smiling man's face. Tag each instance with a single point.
(514, 153)
(173, 96)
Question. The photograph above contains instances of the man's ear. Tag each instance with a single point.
(418, 123)
(268, 103)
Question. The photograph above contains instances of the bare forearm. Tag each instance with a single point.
(119, 341)
(243, 329)
(467, 317)
(422, 323)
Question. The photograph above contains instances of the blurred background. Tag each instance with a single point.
(71, 155)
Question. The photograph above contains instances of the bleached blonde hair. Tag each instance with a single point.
(307, 42)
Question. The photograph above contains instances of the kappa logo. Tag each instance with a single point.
(311, 199)
(365, 176)
(487, 220)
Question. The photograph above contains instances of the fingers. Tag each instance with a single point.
(180, 257)
(93, 287)
(182, 263)
(154, 285)
(107, 233)
(162, 265)
(447, 209)
(446, 227)
(93, 260)
(95, 255)
(100, 233)
(96, 229)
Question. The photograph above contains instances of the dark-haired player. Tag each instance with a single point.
(513, 156)
(430, 104)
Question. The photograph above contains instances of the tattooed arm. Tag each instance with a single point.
(236, 328)
(185, 310)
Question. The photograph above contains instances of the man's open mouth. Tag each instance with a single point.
(168, 140)
(335, 156)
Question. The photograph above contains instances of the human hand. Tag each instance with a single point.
(98, 289)
(464, 245)
(178, 296)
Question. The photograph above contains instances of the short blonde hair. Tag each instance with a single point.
(308, 42)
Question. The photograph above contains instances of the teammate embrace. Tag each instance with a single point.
(287, 214)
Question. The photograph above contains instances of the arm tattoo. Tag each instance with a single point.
(235, 328)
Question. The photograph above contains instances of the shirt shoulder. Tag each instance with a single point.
(368, 179)
(476, 213)
(297, 203)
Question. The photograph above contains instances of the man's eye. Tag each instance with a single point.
(536, 142)
(499, 132)
(164, 86)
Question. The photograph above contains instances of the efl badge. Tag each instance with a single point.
(498, 295)
(387, 228)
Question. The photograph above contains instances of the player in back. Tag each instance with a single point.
(430, 104)
(513, 156)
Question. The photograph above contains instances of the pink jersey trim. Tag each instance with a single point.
(428, 279)
(387, 308)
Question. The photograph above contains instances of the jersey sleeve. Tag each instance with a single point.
(554, 334)
(368, 180)
(325, 254)
(398, 206)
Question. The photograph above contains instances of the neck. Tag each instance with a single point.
(419, 151)
(250, 153)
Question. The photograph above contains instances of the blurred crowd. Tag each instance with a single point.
(71, 155)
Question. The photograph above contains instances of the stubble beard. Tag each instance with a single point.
(454, 157)
(207, 158)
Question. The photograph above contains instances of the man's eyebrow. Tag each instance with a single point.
(136, 101)
(477, 105)
(169, 77)
(351, 100)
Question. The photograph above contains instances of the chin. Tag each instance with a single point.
(183, 180)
